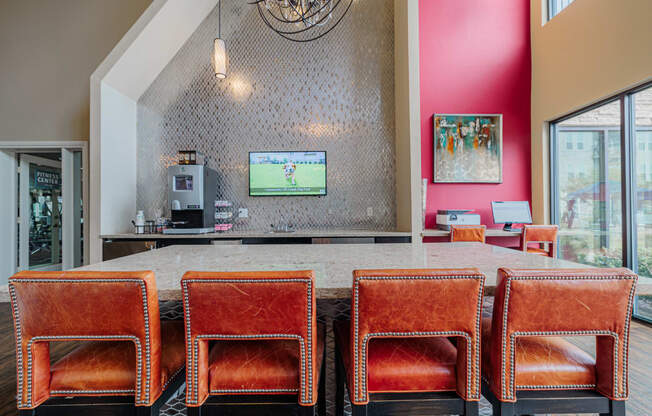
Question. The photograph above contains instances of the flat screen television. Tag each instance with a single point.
(287, 173)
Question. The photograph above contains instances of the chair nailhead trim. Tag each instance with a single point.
(19, 355)
(361, 391)
(419, 334)
(509, 395)
(92, 391)
(135, 340)
(558, 387)
(305, 348)
(195, 353)
(254, 391)
(512, 342)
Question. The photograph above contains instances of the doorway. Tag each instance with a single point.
(44, 214)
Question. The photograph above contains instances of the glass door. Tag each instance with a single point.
(588, 187)
(50, 210)
(642, 150)
(40, 209)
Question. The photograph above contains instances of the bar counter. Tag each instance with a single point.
(333, 263)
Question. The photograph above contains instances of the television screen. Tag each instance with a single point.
(287, 173)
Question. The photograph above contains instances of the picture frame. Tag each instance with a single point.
(467, 148)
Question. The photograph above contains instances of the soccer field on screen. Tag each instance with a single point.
(269, 179)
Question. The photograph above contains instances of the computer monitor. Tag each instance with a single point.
(510, 212)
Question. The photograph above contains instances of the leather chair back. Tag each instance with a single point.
(540, 234)
(468, 233)
(563, 302)
(249, 306)
(84, 306)
(418, 303)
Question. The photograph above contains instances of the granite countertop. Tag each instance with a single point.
(333, 263)
(348, 233)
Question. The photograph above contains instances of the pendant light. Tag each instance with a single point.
(219, 49)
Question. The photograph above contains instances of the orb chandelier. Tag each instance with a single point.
(302, 20)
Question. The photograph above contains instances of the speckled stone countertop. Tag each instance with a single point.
(333, 263)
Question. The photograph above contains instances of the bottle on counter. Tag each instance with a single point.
(140, 222)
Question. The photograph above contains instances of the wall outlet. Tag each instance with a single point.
(243, 213)
(370, 212)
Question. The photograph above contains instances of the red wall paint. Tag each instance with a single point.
(475, 58)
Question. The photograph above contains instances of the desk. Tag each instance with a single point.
(491, 232)
(333, 264)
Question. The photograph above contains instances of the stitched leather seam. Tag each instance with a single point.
(82, 338)
(19, 334)
(223, 391)
(92, 391)
(361, 393)
(306, 350)
(510, 394)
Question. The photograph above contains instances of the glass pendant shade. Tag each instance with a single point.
(219, 58)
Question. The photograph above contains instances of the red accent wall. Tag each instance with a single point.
(475, 58)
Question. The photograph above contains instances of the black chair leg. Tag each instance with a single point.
(145, 411)
(339, 384)
(359, 410)
(505, 409)
(321, 400)
(471, 409)
(306, 410)
(617, 408)
(194, 411)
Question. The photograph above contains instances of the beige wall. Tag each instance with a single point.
(591, 50)
(48, 50)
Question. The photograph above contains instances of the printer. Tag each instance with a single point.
(448, 217)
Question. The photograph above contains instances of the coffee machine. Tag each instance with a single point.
(192, 192)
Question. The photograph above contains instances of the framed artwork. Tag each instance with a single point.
(468, 148)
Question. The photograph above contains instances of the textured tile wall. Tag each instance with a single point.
(334, 94)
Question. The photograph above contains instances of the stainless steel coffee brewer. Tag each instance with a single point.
(192, 191)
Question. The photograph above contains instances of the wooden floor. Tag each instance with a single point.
(640, 365)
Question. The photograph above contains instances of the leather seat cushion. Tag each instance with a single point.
(544, 361)
(468, 234)
(109, 367)
(539, 251)
(258, 366)
(403, 364)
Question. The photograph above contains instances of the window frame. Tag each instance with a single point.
(552, 9)
(628, 170)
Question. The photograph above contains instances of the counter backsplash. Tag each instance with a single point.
(272, 100)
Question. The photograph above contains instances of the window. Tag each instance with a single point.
(596, 226)
(569, 145)
(556, 6)
(642, 205)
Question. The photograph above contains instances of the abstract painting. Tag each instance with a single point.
(468, 148)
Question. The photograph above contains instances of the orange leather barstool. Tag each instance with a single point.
(125, 357)
(540, 234)
(252, 342)
(396, 353)
(469, 233)
(528, 368)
